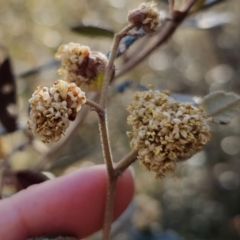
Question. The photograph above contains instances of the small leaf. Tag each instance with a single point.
(27, 178)
(92, 30)
(221, 106)
(8, 112)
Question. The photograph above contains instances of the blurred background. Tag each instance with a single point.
(201, 200)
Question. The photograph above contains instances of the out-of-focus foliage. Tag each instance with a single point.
(223, 107)
(92, 31)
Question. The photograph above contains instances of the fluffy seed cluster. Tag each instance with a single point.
(82, 66)
(145, 16)
(164, 130)
(52, 108)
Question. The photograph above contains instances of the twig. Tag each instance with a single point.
(104, 135)
(164, 33)
(107, 155)
(108, 216)
(110, 66)
(171, 6)
(95, 106)
(124, 163)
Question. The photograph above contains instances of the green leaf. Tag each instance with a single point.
(221, 106)
(92, 30)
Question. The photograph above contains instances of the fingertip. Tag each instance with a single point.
(73, 204)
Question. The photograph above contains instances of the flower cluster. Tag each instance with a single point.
(145, 16)
(52, 108)
(165, 130)
(82, 66)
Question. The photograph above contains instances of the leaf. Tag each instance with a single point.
(27, 178)
(8, 112)
(221, 106)
(92, 30)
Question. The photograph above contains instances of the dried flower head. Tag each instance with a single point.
(52, 108)
(82, 66)
(165, 130)
(145, 16)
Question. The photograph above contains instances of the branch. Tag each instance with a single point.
(110, 66)
(124, 163)
(107, 154)
(164, 33)
(95, 106)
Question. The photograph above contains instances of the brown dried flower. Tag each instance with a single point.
(52, 108)
(82, 66)
(145, 16)
(165, 130)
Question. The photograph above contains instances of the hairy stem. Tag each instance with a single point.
(98, 108)
(125, 162)
(108, 217)
(106, 148)
(112, 179)
(110, 66)
(103, 128)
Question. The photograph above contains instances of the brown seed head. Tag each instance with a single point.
(164, 130)
(52, 108)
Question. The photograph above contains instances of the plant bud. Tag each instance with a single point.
(145, 16)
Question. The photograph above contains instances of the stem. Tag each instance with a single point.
(110, 66)
(103, 128)
(98, 108)
(171, 6)
(112, 178)
(108, 217)
(125, 162)
(113, 174)
(106, 149)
